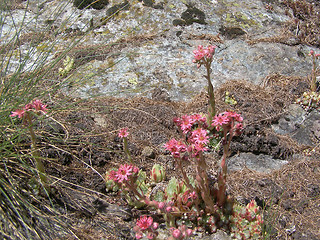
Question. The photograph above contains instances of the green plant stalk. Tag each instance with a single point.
(35, 153)
(222, 177)
(187, 183)
(203, 184)
(212, 102)
(136, 194)
(126, 150)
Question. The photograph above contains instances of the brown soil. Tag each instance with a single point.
(85, 145)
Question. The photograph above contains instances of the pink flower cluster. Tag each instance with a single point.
(146, 226)
(203, 53)
(123, 174)
(228, 121)
(186, 122)
(36, 105)
(176, 147)
(198, 141)
(195, 128)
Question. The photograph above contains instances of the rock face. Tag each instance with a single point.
(131, 48)
(300, 125)
(259, 163)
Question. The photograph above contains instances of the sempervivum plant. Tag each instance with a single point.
(246, 221)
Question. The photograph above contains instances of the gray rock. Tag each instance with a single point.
(260, 163)
(142, 48)
(291, 120)
(300, 125)
(219, 235)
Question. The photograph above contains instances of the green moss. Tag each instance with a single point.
(240, 20)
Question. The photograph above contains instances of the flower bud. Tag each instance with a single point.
(151, 235)
(161, 205)
(176, 233)
(168, 209)
(155, 225)
(189, 232)
(157, 173)
(139, 235)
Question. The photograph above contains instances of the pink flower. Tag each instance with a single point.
(238, 128)
(175, 147)
(171, 145)
(202, 53)
(124, 172)
(199, 136)
(220, 120)
(199, 147)
(186, 123)
(19, 112)
(198, 118)
(28, 107)
(123, 132)
(39, 106)
(199, 53)
(211, 49)
(237, 117)
(144, 222)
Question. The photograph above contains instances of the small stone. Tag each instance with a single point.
(148, 152)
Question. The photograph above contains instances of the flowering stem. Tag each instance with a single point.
(203, 184)
(136, 193)
(212, 104)
(187, 182)
(36, 153)
(222, 178)
(126, 150)
(185, 177)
